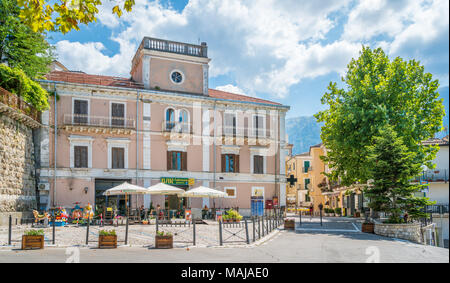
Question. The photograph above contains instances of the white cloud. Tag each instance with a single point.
(266, 46)
(231, 88)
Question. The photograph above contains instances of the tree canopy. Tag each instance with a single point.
(64, 15)
(20, 47)
(378, 93)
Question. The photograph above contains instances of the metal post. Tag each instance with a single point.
(87, 230)
(259, 228)
(300, 218)
(321, 217)
(53, 227)
(157, 226)
(253, 228)
(9, 230)
(263, 227)
(220, 232)
(126, 232)
(267, 226)
(193, 228)
(246, 231)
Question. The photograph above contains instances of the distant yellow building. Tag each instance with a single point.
(307, 168)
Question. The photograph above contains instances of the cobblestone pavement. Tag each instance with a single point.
(207, 235)
(281, 246)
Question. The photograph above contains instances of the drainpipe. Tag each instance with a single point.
(137, 141)
(214, 146)
(55, 147)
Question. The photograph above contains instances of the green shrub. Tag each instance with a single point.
(15, 81)
(107, 233)
(39, 232)
(338, 210)
(163, 234)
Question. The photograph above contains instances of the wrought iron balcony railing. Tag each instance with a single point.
(99, 121)
(176, 127)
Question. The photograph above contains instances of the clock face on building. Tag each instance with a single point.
(176, 77)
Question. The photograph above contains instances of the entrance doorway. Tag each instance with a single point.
(176, 205)
(116, 202)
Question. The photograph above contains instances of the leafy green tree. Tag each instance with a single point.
(392, 166)
(20, 47)
(64, 15)
(17, 82)
(378, 92)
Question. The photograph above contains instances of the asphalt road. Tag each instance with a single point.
(284, 246)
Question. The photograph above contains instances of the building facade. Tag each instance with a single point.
(163, 124)
(307, 169)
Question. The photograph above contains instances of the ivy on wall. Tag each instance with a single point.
(15, 81)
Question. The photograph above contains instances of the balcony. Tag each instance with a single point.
(180, 131)
(433, 175)
(99, 125)
(239, 136)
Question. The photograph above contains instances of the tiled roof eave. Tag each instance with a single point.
(186, 95)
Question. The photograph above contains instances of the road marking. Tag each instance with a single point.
(327, 230)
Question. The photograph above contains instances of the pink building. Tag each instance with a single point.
(161, 125)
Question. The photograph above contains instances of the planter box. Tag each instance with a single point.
(368, 227)
(289, 224)
(164, 242)
(32, 242)
(107, 242)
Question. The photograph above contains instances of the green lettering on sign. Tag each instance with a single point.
(177, 181)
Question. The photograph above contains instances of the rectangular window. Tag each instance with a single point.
(81, 156)
(118, 157)
(230, 163)
(307, 182)
(117, 114)
(306, 166)
(177, 160)
(258, 164)
(258, 126)
(231, 192)
(80, 111)
(230, 124)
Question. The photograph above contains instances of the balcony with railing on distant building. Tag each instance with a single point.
(17, 108)
(99, 124)
(433, 175)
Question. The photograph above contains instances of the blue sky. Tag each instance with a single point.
(287, 51)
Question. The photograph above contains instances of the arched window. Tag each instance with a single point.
(170, 118)
(184, 120)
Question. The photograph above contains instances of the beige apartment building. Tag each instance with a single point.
(307, 168)
(163, 124)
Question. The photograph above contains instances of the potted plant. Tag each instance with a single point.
(107, 239)
(33, 239)
(289, 224)
(338, 211)
(163, 240)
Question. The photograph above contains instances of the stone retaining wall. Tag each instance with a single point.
(17, 168)
(410, 232)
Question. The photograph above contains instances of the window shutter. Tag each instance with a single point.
(236, 163)
(84, 157)
(184, 161)
(118, 158)
(223, 163)
(169, 160)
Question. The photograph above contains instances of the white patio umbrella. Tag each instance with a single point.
(125, 189)
(164, 189)
(204, 192)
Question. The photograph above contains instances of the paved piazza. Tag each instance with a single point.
(337, 240)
